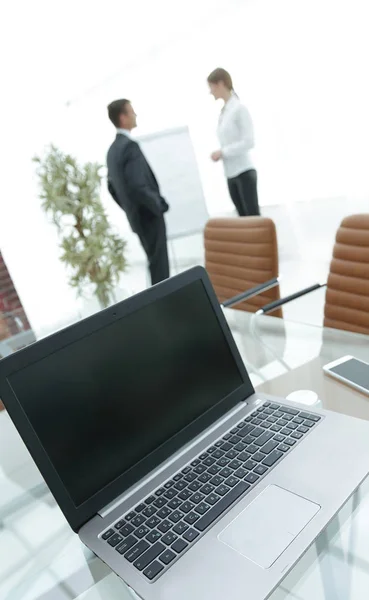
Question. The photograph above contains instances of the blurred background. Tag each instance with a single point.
(300, 66)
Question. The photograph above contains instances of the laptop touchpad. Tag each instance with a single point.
(268, 525)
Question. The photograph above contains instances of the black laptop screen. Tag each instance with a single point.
(105, 402)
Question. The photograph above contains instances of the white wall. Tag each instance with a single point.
(300, 66)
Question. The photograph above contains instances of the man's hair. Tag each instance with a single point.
(221, 75)
(115, 109)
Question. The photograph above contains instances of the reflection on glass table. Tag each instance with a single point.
(41, 558)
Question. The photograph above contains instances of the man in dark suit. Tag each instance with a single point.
(134, 187)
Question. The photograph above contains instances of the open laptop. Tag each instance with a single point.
(188, 484)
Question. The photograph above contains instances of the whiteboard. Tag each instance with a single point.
(172, 158)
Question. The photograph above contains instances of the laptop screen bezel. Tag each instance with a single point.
(79, 515)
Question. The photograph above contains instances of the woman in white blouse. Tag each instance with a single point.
(236, 137)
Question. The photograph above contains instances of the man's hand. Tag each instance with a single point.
(215, 156)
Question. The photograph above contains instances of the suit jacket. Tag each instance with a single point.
(132, 183)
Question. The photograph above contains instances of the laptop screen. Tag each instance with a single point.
(106, 401)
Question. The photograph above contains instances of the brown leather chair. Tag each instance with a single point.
(241, 253)
(347, 298)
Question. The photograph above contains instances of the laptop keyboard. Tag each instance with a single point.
(159, 529)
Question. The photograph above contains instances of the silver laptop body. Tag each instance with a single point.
(220, 492)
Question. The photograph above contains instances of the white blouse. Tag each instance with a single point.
(236, 137)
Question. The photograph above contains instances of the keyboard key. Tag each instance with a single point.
(235, 464)
(263, 439)
(258, 456)
(298, 420)
(244, 456)
(177, 477)
(204, 477)
(287, 417)
(267, 411)
(209, 461)
(167, 557)
(296, 434)
(226, 436)
(203, 456)
(197, 498)
(170, 493)
(240, 446)
(141, 531)
(180, 485)
(160, 502)
(191, 476)
(282, 422)
(256, 432)
(250, 464)
(108, 533)
(187, 469)
(248, 419)
(126, 530)
(226, 446)
(234, 430)
(272, 419)
(217, 480)
(195, 462)
(115, 539)
(272, 458)
(218, 443)
(226, 472)
(137, 550)
(153, 522)
(251, 478)
(232, 454)
(222, 462)
(169, 538)
(163, 512)
(153, 536)
(185, 495)
(260, 470)
(245, 430)
(234, 439)
(278, 414)
(201, 508)
(309, 424)
(256, 421)
(309, 416)
(269, 447)
(212, 499)
(153, 570)
(186, 507)
(275, 428)
(221, 506)
(179, 546)
(137, 521)
(160, 491)
(206, 489)
(175, 503)
(165, 526)
(148, 556)
(290, 442)
(119, 524)
(149, 500)
(279, 438)
(191, 518)
(126, 544)
(292, 425)
(199, 469)
(303, 429)
(283, 448)
(140, 507)
(175, 516)
(289, 411)
(130, 516)
(286, 431)
(231, 481)
(180, 527)
(190, 535)
(194, 486)
(240, 473)
(149, 511)
(214, 470)
(218, 454)
(222, 490)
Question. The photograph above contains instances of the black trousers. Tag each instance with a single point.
(244, 193)
(153, 237)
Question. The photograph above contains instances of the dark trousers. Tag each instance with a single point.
(244, 193)
(153, 237)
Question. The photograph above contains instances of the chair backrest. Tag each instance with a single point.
(347, 298)
(241, 253)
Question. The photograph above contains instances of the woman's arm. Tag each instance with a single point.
(246, 141)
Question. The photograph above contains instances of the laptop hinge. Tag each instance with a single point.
(106, 510)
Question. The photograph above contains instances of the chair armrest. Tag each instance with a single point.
(258, 289)
(278, 303)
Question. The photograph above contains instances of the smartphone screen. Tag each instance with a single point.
(353, 370)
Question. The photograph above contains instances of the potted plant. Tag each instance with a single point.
(93, 252)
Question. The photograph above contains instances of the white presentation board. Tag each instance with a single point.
(172, 158)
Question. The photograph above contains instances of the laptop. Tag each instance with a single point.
(170, 467)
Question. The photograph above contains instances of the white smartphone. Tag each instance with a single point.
(350, 370)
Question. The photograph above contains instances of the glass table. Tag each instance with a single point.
(42, 559)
